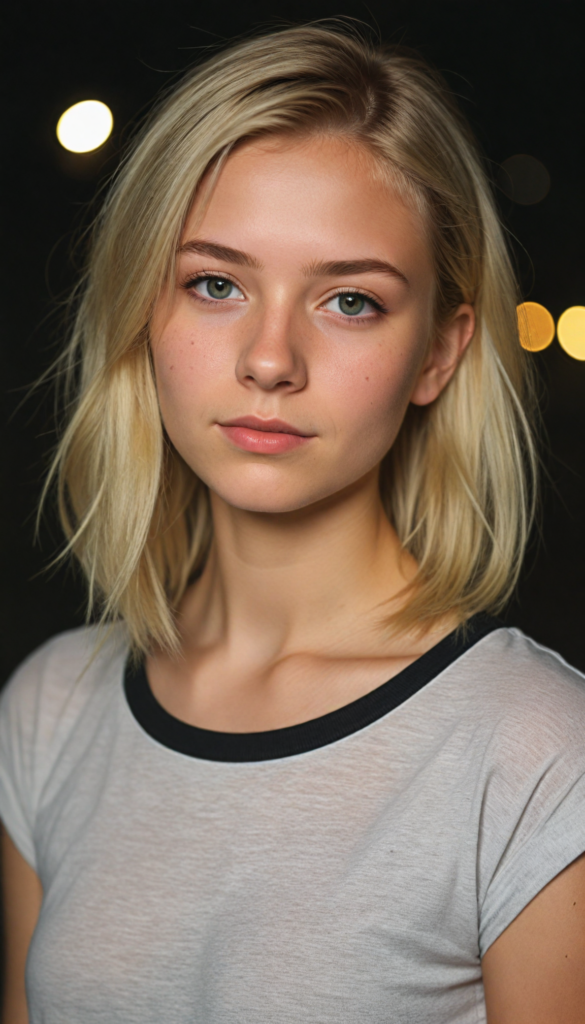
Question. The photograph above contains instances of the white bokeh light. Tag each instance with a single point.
(85, 126)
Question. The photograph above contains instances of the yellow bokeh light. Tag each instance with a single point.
(85, 126)
(571, 331)
(536, 326)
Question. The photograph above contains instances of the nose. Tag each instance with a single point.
(271, 357)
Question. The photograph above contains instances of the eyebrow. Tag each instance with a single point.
(339, 268)
(220, 252)
(323, 268)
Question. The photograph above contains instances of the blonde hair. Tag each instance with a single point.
(457, 483)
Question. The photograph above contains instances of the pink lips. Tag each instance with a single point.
(266, 437)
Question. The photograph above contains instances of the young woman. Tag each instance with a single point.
(304, 776)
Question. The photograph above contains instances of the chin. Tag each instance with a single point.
(264, 494)
(267, 503)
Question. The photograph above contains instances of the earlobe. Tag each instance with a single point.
(446, 352)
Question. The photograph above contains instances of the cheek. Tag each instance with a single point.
(371, 395)
(187, 370)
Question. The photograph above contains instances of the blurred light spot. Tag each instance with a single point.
(524, 179)
(85, 126)
(536, 326)
(571, 331)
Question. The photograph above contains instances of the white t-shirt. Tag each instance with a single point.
(349, 870)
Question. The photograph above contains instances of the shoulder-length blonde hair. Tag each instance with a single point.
(456, 483)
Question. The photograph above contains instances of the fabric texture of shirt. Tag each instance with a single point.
(348, 870)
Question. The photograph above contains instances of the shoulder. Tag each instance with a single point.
(59, 678)
(61, 689)
(531, 706)
(524, 707)
(519, 683)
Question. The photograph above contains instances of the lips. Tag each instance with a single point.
(263, 437)
(272, 426)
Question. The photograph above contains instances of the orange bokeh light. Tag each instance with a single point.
(536, 326)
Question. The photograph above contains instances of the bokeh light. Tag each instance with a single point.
(524, 179)
(85, 126)
(536, 326)
(571, 331)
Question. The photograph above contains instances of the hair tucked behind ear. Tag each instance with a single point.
(458, 482)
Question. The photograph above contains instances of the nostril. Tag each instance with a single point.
(283, 371)
(265, 382)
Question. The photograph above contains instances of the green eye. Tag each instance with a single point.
(351, 305)
(217, 288)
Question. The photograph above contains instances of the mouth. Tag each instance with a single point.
(273, 426)
(263, 437)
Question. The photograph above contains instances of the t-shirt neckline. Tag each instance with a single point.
(209, 745)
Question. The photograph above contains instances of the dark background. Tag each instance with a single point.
(516, 68)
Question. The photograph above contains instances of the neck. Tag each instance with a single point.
(299, 581)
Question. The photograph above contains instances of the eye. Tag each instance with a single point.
(216, 288)
(351, 304)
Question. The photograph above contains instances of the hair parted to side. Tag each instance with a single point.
(458, 482)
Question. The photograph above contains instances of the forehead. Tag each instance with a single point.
(325, 196)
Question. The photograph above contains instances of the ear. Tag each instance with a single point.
(444, 356)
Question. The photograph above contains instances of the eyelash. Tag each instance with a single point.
(192, 281)
(377, 305)
(380, 309)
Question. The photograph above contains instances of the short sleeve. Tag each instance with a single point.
(42, 703)
(533, 815)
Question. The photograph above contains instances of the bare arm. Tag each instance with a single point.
(534, 973)
(21, 895)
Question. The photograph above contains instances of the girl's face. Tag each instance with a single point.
(300, 326)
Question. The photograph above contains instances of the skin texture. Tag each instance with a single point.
(21, 903)
(275, 349)
(534, 973)
(286, 622)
